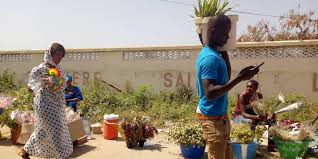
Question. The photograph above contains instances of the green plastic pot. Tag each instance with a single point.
(291, 149)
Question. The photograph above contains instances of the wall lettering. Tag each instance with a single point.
(176, 79)
(179, 80)
(167, 79)
(83, 78)
(315, 82)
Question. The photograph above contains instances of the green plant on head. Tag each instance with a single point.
(208, 8)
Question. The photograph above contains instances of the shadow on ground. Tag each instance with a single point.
(152, 147)
(262, 153)
(6, 142)
(81, 149)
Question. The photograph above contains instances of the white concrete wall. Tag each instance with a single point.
(289, 66)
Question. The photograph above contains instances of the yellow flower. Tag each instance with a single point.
(53, 72)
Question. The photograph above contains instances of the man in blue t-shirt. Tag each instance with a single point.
(213, 71)
(72, 94)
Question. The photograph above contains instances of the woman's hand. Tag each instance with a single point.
(47, 82)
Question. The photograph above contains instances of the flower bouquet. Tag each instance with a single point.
(57, 78)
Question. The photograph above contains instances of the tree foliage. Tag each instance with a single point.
(294, 26)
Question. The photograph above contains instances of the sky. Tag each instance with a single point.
(34, 24)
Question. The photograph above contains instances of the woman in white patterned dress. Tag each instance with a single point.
(51, 137)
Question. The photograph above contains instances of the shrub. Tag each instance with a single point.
(6, 81)
(186, 134)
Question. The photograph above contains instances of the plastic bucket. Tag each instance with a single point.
(192, 151)
(244, 151)
(110, 127)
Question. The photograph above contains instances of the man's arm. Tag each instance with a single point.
(78, 96)
(212, 90)
(73, 100)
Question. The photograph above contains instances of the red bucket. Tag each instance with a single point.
(110, 127)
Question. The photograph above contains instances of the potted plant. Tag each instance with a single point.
(14, 127)
(243, 141)
(190, 138)
(23, 101)
(137, 131)
(204, 11)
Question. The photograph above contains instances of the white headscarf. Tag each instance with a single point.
(35, 83)
(48, 57)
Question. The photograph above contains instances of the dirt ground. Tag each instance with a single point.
(99, 148)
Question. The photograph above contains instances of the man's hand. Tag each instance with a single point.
(247, 73)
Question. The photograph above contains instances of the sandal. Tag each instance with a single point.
(21, 152)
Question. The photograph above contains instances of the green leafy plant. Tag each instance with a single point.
(23, 102)
(242, 134)
(181, 95)
(186, 134)
(207, 8)
(305, 113)
(137, 130)
(162, 107)
(6, 81)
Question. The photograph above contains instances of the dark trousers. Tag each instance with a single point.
(73, 105)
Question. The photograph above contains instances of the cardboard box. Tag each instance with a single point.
(76, 129)
(96, 128)
(80, 141)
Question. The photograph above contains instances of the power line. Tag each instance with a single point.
(234, 11)
(175, 2)
(266, 15)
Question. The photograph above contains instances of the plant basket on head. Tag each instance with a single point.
(207, 9)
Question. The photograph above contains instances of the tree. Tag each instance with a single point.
(295, 26)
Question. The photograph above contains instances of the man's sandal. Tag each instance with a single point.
(21, 152)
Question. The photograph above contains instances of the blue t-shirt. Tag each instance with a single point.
(211, 66)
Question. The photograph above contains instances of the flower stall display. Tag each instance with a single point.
(5, 101)
(292, 138)
(137, 130)
(190, 138)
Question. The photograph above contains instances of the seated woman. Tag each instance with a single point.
(244, 112)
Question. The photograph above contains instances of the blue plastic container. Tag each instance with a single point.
(192, 151)
(244, 151)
